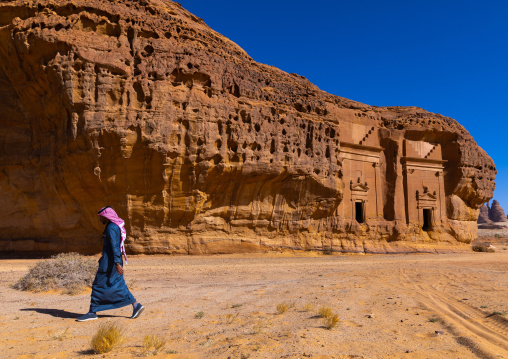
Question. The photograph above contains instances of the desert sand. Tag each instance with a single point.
(390, 306)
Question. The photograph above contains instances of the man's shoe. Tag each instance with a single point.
(138, 309)
(87, 316)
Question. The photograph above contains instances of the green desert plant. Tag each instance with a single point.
(153, 344)
(498, 313)
(282, 308)
(434, 320)
(70, 272)
(108, 337)
(199, 315)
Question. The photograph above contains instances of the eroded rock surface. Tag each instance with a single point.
(483, 217)
(496, 212)
(141, 106)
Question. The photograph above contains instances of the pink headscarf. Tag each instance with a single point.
(109, 213)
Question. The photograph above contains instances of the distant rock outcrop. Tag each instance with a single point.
(496, 212)
(490, 215)
(141, 106)
(484, 215)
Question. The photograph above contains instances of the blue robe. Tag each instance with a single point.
(109, 290)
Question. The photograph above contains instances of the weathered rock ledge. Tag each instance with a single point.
(141, 106)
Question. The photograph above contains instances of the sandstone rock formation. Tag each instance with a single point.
(483, 217)
(141, 106)
(496, 212)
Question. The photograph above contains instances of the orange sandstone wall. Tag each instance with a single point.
(141, 106)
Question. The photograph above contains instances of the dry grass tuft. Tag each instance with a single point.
(153, 344)
(108, 337)
(282, 308)
(325, 312)
(230, 318)
(259, 326)
(60, 334)
(331, 321)
(68, 271)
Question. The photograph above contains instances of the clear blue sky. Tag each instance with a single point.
(448, 56)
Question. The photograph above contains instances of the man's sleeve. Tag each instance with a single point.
(114, 236)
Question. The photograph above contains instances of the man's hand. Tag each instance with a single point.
(119, 268)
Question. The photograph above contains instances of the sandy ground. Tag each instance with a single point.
(493, 233)
(390, 306)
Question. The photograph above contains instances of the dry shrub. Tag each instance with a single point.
(70, 272)
(328, 251)
(108, 337)
(153, 344)
(497, 313)
(325, 312)
(331, 321)
(282, 308)
(483, 248)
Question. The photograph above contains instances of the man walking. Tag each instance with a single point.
(109, 290)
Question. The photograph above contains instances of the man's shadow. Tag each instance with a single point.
(58, 313)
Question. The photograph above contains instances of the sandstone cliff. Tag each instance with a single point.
(496, 212)
(141, 106)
